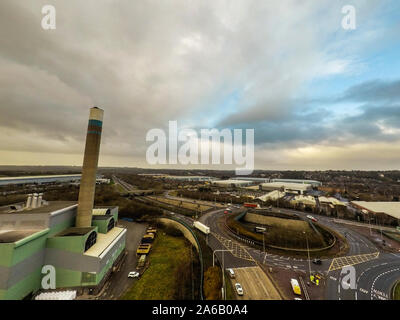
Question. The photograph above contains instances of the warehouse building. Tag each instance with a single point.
(313, 183)
(232, 183)
(386, 212)
(253, 179)
(63, 178)
(40, 179)
(294, 188)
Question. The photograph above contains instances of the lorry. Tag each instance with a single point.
(142, 261)
(251, 205)
(203, 228)
(148, 238)
(143, 249)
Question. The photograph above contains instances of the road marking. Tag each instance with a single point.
(304, 288)
(236, 249)
(333, 278)
(363, 290)
(339, 263)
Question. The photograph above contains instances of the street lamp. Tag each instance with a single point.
(223, 267)
(308, 252)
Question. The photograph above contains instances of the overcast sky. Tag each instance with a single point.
(318, 96)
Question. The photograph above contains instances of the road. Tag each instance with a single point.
(376, 271)
(255, 283)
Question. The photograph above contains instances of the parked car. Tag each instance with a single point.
(133, 274)
(239, 289)
(317, 261)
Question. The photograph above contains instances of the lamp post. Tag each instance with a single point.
(308, 253)
(223, 268)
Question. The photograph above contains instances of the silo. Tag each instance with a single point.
(29, 201)
(39, 201)
(34, 201)
(89, 169)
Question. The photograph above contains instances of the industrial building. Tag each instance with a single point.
(387, 212)
(232, 183)
(64, 178)
(303, 200)
(313, 183)
(39, 179)
(253, 179)
(287, 187)
(272, 196)
(80, 243)
(189, 178)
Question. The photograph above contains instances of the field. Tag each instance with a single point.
(159, 282)
(183, 204)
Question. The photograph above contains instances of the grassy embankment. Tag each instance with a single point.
(160, 280)
(183, 204)
(396, 291)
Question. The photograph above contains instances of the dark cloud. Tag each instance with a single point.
(373, 91)
(148, 62)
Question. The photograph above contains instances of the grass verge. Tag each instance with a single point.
(159, 282)
(396, 291)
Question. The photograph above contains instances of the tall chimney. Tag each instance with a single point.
(89, 169)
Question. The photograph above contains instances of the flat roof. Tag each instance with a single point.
(50, 207)
(104, 240)
(41, 177)
(288, 185)
(15, 235)
(231, 181)
(390, 208)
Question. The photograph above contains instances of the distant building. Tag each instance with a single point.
(273, 195)
(386, 212)
(313, 183)
(303, 200)
(295, 188)
(232, 183)
(63, 178)
(253, 179)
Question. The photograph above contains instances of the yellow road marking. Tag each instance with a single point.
(339, 263)
(237, 250)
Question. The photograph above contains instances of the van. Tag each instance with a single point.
(231, 273)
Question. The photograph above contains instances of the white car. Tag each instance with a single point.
(133, 274)
(239, 289)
